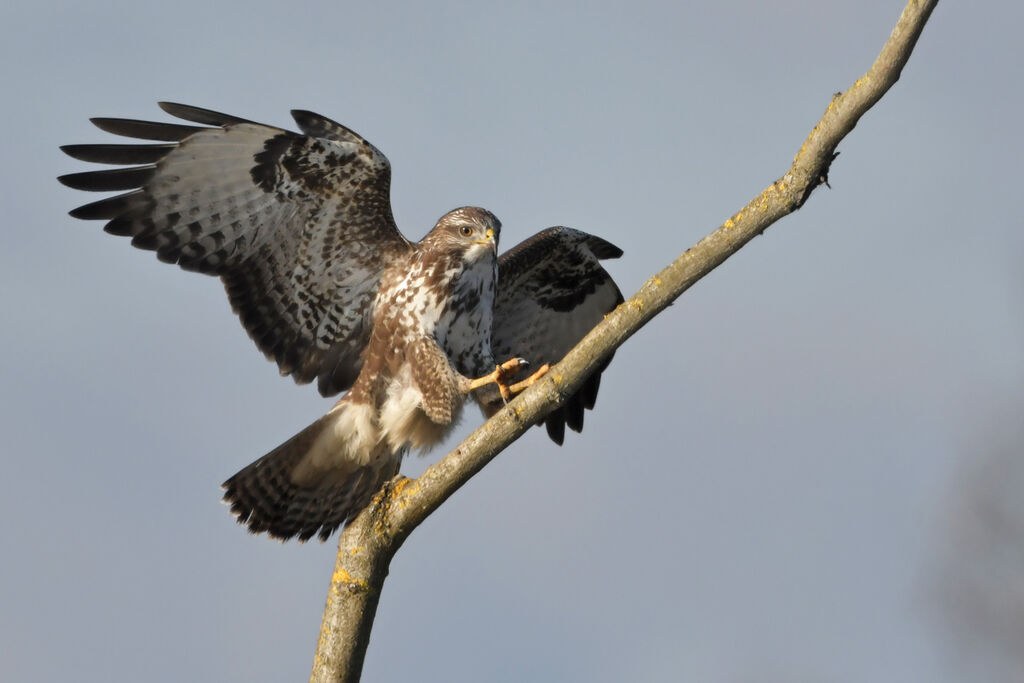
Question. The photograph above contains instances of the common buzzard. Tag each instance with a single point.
(299, 228)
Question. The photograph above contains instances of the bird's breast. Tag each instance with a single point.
(464, 327)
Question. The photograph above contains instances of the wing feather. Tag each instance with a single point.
(118, 154)
(298, 226)
(207, 117)
(552, 290)
(145, 130)
(105, 181)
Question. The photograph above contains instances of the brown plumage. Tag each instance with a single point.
(299, 228)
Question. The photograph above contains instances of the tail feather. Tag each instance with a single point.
(278, 495)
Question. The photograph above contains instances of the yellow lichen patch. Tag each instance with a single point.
(342, 576)
(728, 223)
(403, 484)
(636, 304)
(402, 492)
(404, 501)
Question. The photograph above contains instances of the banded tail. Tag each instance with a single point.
(317, 480)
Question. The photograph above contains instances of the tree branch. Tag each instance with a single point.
(366, 546)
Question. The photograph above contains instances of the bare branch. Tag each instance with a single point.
(367, 545)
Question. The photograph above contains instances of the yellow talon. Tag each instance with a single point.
(503, 372)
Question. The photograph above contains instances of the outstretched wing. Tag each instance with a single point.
(552, 290)
(298, 226)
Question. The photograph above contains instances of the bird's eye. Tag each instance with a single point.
(465, 230)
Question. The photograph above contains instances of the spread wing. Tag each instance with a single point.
(298, 226)
(552, 290)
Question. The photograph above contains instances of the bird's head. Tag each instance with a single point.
(470, 231)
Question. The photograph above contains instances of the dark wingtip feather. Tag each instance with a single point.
(305, 117)
(602, 248)
(121, 227)
(145, 130)
(574, 414)
(118, 154)
(105, 181)
(555, 424)
(199, 115)
(318, 126)
(91, 211)
(589, 391)
(111, 207)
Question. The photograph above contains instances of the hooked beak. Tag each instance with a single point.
(489, 235)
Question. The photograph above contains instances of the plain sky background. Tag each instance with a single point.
(763, 491)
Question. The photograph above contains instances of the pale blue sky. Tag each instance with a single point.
(761, 492)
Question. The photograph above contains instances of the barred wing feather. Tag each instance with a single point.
(552, 290)
(298, 226)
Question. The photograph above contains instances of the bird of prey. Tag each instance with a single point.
(299, 228)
